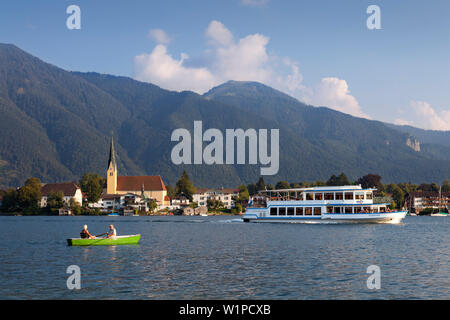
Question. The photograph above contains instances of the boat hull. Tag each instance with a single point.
(119, 240)
(388, 217)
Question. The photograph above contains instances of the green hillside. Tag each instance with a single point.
(55, 125)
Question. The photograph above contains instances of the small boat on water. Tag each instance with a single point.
(113, 241)
(439, 214)
(330, 203)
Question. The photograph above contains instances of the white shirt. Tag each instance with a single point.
(112, 232)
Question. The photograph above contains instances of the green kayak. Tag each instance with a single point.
(131, 239)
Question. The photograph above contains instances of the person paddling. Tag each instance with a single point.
(112, 232)
(84, 234)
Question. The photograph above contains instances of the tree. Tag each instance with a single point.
(10, 202)
(152, 205)
(243, 195)
(340, 180)
(75, 206)
(260, 185)
(214, 204)
(29, 195)
(92, 185)
(370, 181)
(55, 200)
(251, 189)
(237, 209)
(270, 187)
(193, 205)
(429, 187)
(446, 186)
(170, 191)
(397, 194)
(184, 185)
(282, 185)
(408, 187)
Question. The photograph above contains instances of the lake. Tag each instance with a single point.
(223, 258)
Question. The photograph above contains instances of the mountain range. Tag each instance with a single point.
(56, 125)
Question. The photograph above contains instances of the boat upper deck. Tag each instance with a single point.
(327, 195)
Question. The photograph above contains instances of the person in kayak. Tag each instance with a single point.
(84, 234)
(112, 232)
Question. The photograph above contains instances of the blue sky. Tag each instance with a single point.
(318, 51)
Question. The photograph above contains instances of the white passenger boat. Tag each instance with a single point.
(341, 204)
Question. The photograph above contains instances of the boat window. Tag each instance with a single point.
(339, 196)
(369, 196)
(357, 209)
(308, 211)
(309, 196)
(349, 196)
(359, 196)
(329, 196)
(281, 211)
(319, 196)
(337, 210)
(329, 209)
(290, 211)
(299, 211)
(273, 211)
(348, 210)
(317, 211)
(382, 209)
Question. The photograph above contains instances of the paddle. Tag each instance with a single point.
(102, 234)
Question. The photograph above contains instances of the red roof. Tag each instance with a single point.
(68, 188)
(135, 183)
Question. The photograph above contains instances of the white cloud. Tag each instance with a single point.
(245, 59)
(160, 68)
(403, 122)
(254, 3)
(219, 34)
(334, 93)
(159, 36)
(428, 118)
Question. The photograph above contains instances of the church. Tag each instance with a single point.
(151, 186)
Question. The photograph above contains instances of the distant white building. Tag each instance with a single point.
(179, 201)
(69, 189)
(201, 196)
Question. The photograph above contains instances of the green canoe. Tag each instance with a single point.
(131, 239)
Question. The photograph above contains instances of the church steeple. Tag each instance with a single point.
(112, 155)
(111, 174)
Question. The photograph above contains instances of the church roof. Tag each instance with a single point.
(134, 183)
(112, 154)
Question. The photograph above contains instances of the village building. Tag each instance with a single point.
(152, 187)
(421, 200)
(69, 189)
(201, 196)
(179, 201)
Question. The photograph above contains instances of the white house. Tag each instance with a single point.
(201, 196)
(69, 189)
